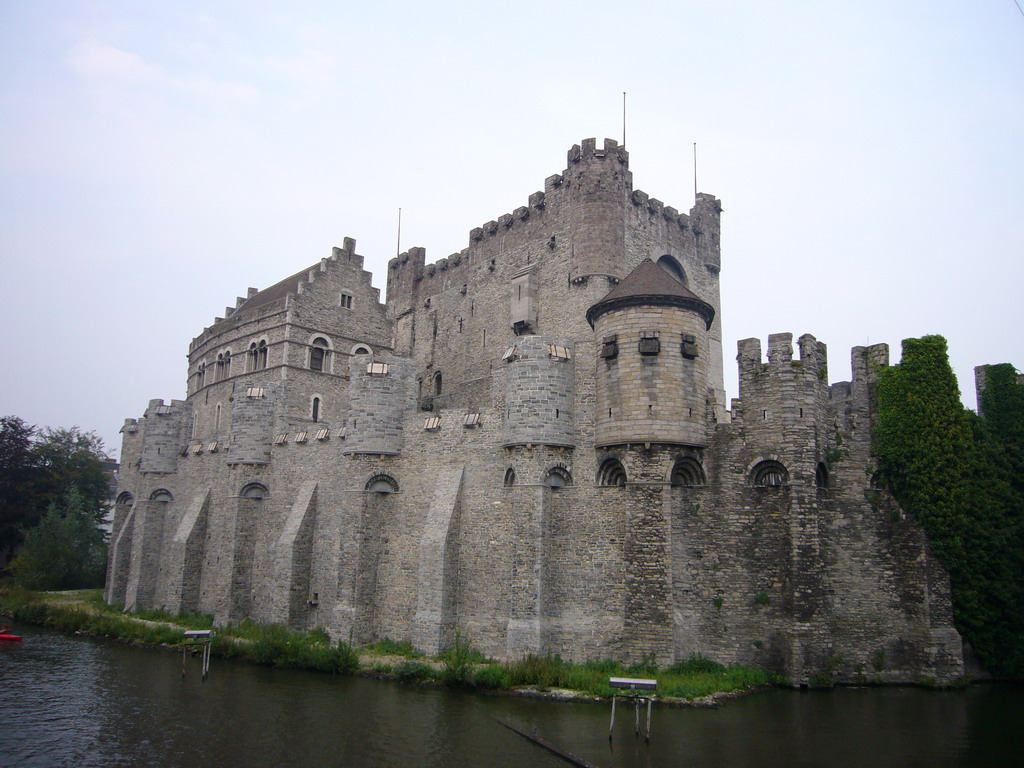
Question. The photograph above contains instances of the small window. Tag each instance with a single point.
(821, 476)
(770, 474)
(161, 495)
(361, 350)
(315, 410)
(557, 477)
(318, 354)
(611, 473)
(687, 472)
(255, 491)
(382, 483)
(346, 301)
(510, 477)
(438, 383)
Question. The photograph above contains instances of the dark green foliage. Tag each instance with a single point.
(458, 661)
(414, 672)
(962, 477)
(65, 550)
(38, 469)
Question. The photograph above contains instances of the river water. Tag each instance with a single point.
(72, 701)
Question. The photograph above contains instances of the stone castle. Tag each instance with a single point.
(529, 443)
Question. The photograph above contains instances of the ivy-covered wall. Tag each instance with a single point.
(962, 476)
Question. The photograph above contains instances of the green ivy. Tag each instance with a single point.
(962, 477)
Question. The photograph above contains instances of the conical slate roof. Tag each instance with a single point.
(650, 285)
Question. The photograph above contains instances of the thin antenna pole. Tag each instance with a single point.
(398, 247)
(695, 171)
(623, 118)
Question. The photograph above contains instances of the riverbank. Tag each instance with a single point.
(694, 682)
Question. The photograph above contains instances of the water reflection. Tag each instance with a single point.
(74, 701)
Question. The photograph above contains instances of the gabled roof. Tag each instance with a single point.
(651, 285)
(275, 292)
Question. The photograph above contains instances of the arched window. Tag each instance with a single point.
(257, 358)
(769, 474)
(670, 265)
(557, 477)
(257, 491)
(219, 373)
(510, 477)
(124, 499)
(201, 376)
(227, 364)
(315, 410)
(162, 495)
(361, 349)
(437, 383)
(821, 475)
(318, 354)
(382, 483)
(611, 473)
(687, 472)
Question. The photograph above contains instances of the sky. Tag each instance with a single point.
(158, 158)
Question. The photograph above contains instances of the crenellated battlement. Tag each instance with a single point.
(811, 364)
(587, 150)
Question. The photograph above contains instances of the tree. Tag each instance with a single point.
(70, 460)
(65, 550)
(17, 472)
(38, 468)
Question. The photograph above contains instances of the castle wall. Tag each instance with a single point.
(412, 508)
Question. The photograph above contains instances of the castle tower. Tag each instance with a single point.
(653, 359)
(539, 392)
(161, 434)
(599, 183)
(252, 418)
(380, 394)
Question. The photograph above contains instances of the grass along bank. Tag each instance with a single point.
(83, 611)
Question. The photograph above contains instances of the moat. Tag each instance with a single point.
(77, 701)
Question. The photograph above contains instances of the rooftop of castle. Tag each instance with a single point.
(649, 283)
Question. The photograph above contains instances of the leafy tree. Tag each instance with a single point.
(39, 468)
(68, 459)
(17, 472)
(65, 550)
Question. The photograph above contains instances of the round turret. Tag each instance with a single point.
(539, 392)
(652, 366)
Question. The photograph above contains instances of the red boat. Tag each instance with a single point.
(10, 638)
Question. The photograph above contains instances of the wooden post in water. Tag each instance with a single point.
(200, 637)
(637, 689)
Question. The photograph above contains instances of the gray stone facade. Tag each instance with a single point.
(530, 444)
